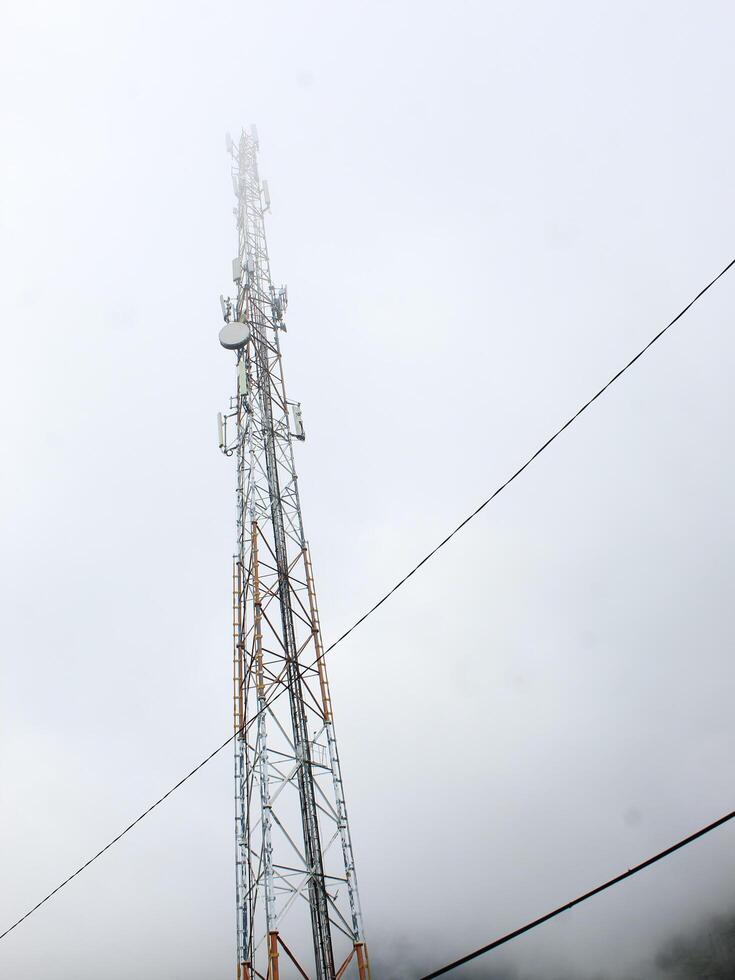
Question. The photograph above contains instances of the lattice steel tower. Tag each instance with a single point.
(295, 871)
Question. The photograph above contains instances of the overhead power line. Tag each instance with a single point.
(530, 459)
(582, 898)
(120, 836)
(387, 595)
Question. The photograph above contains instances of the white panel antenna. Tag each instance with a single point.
(298, 421)
(243, 385)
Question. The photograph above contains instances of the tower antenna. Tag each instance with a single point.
(298, 909)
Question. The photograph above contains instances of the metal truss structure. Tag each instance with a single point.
(298, 910)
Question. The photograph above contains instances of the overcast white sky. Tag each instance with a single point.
(481, 210)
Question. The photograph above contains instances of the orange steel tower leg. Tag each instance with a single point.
(362, 961)
(273, 972)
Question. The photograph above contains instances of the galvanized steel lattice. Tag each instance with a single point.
(298, 910)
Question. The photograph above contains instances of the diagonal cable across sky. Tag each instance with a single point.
(398, 585)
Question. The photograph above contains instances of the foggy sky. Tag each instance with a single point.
(482, 210)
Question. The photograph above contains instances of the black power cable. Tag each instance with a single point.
(388, 594)
(530, 460)
(582, 898)
(114, 840)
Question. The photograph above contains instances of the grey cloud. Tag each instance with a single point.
(481, 211)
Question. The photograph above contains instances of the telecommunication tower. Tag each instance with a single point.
(298, 909)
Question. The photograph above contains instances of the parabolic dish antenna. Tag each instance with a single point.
(234, 335)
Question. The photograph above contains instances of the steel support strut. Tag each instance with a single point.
(319, 911)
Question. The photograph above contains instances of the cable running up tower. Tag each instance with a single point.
(295, 871)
